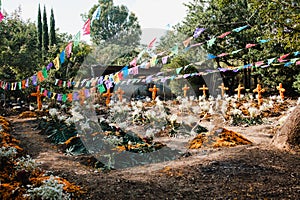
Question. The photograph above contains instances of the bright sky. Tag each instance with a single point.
(151, 13)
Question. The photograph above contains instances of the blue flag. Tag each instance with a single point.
(62, 57)
(96, 14)
(240, 28)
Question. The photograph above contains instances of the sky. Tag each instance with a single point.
(150, 13)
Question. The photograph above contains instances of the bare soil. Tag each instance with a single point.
(257, 171)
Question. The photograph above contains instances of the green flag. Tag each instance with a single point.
(101, 88)
(77, 39)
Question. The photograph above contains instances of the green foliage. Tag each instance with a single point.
(115, 35)
(296, 84)
(115, 23)
(19, 53)
(69, 69)
(45, 33)
(52, 29)
(284, 18)
(275, 20)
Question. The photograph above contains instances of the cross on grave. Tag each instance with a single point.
(108, 94)
(154, 91)
(81, 96)
(120, 93)
(185, 89)
(281, 91)
(259, 91)
(239, 89)
(204, 90)
(38, 96)
(223, 89)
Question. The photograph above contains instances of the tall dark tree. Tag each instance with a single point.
(45, 33)
(39, 29)
(52, 29)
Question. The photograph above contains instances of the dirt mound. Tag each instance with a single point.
(219, 138)
(27, 114)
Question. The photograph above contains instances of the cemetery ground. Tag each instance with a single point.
(254, 171)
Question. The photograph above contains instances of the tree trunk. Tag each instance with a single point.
(288, 136)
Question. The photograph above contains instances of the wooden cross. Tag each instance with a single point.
(154, 91)
(259, 91)
(108, 94)
(81, 96)
(120, 93)
(204, 90)
(185, 89)
(281, 91)
(38, 96)
(223, 89)
(239, 89)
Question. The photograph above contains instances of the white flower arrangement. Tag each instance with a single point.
(192, 98)
(201, 98)
(53, 112)
(173, 118)
(150, 132)
(50, 189)
(236, 112)
(26, 163)
(254, 112)
(8, 152)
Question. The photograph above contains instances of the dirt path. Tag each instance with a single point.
(247, 172)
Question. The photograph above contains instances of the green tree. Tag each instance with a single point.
(217, 17)
(45, 33)
(116, 23)
(39, 29)
(52, 29)
(284, 17)
(19, 53)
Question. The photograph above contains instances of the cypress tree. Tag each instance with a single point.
(40, 29)
(52, 29)
(45, 33)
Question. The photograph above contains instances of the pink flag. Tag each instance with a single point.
(150, 45)
(284, 56)
(281, 59)
(224, 34)
(133, 62)
(222, 54)
(1, 16)
(250, 45)
(298, 63)
(69, 49)
(259, 63)
(87, 27)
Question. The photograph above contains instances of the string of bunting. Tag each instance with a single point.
(102, 84)
(43, 74)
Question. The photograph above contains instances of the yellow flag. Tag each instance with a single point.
(116, 78)
(56, 63)
(54, 94)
